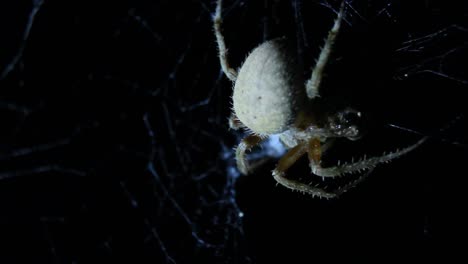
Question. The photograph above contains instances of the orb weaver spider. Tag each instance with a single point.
(271, 97)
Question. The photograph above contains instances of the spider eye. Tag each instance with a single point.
(347, 123)
(350, 117)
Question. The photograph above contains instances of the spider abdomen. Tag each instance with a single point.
(269, 89)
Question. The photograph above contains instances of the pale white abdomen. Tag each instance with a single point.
(269, 89)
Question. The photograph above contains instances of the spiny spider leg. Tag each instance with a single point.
(363, 164)
(287, 161)
(290, 158)
(313, 84)
(352, 184)
(230, 72)
(315, 149)
(246, 144)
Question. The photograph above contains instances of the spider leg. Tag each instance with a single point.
(287, 161)
(315, 149)
(363, 164)
(313, 84)
(246, 144)
(352, 184)
(217, 22)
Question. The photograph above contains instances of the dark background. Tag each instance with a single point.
(114, 142)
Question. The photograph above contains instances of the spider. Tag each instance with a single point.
(271, 97)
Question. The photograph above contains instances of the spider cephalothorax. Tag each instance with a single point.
(271, 97)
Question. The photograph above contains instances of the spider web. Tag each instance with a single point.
(115, 145)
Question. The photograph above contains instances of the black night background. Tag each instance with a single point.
(115, 145)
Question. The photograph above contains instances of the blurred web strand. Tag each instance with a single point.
(232, 175)
(208, 99)
(385, 10)
(436, 135)
(409, 44)
(418, 45)
(443, 75)
(350, 7)
(42, 169)
(173, 136)
(418, 68)
(182, 57)
(35, 149)
(300, 32)
(40, 148)
(32, 15)
(154, 173)
(154, 232)
(48, 236)
(15, 108)
(144, 24)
